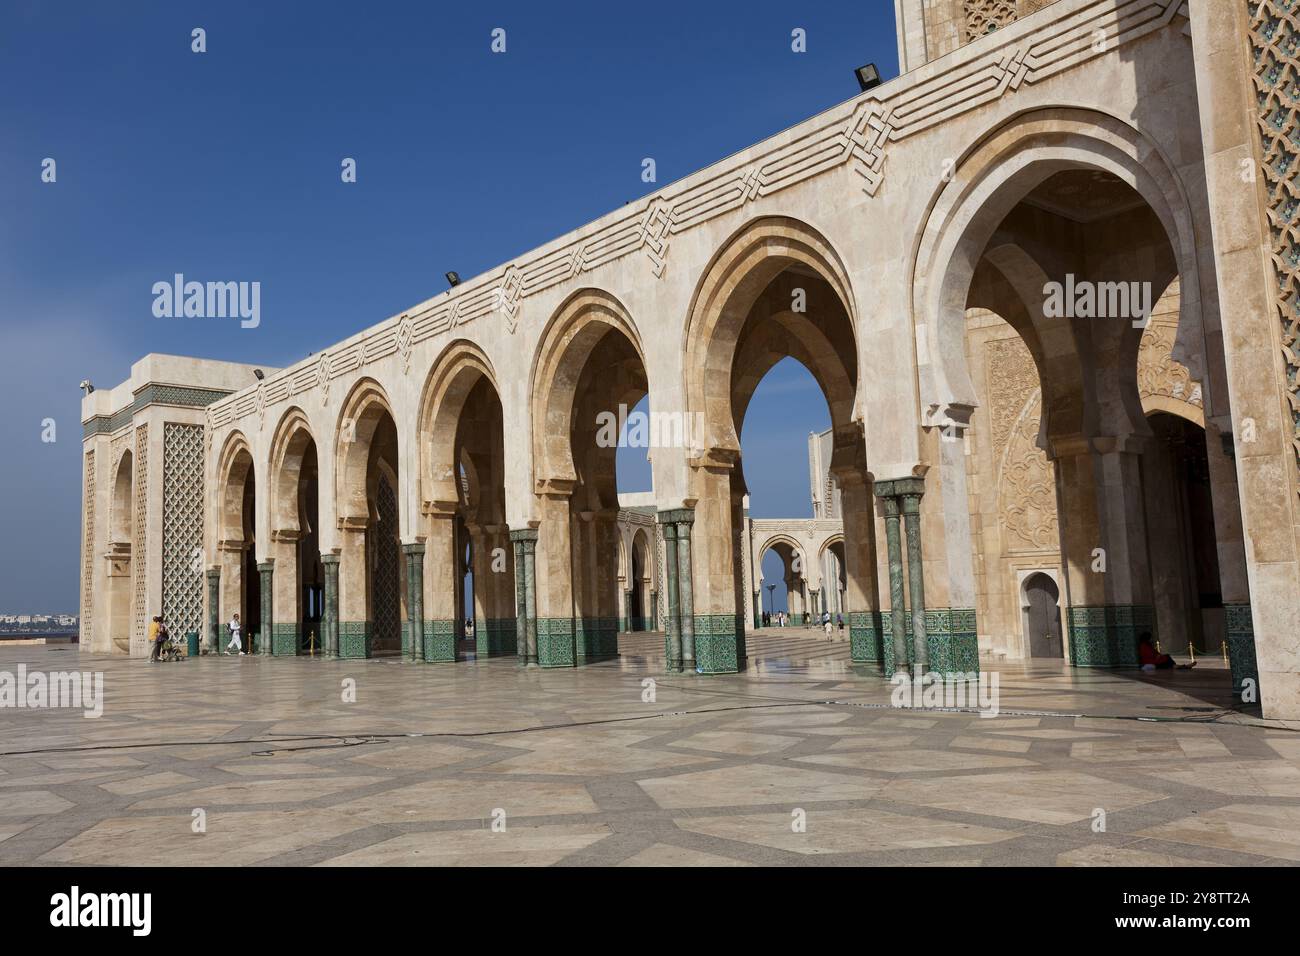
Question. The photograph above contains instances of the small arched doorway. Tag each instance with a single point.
(1040, 601)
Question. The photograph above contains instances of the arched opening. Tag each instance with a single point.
(639, 617)
(297, 573)
(1041, 616)
(468, 561)
(589, 378)
(782, 561)
(1060, 237)
(120, 542)
(237, 548)
(776, 291)
(834, 580)
(372, 586)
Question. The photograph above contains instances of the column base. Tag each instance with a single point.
(439, 641)
(356, 640)
(951, 642)
(866, 638)
(716, 644)
(285, 640)
(1241, 649)
(555, 642)
(1106, 635)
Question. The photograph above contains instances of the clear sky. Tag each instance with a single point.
(225, 165)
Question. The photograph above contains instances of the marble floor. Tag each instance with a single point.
(800, 760)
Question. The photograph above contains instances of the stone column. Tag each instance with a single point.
(910, 490)
(686, 591)
(627, 610)
(441, 580)
(861, 605)
(554, 567)
(284, 630)
(414, 645)
(355, 631)
(895, 656)
(525, 546)
(329, 625)
(672, 626)
(654, 610)
(707, 583)
(265, 570)
(214, 611)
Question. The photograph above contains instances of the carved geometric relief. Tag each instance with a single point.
(1027, 486)
(1011, 378)
(1158, 373)
(986, 16)
(1275, 43)
(88, 549)
(140, 547)
(182, 577)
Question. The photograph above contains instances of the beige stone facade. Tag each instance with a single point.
(959, 257)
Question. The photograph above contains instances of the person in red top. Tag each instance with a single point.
(1151, 659)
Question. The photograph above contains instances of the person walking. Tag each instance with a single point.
(826, 622)
(156, 637)
(235, 629)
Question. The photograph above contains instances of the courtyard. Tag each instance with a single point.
(799, 760)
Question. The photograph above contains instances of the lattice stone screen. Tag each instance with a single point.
(88, 548)
(139, 552)
(182, 573)
(1275, 41)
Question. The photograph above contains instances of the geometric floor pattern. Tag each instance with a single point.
(799, 760)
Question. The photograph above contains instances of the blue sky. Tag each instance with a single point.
(225, 165)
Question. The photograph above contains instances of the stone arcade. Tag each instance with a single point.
(1010, 483)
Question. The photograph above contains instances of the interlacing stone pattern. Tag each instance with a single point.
(1107, 635)
(387, 587)
(440, 641)
(1241, 648)
(182, 578)
(1275, 42)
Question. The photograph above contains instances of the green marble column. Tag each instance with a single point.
(758, 610)
(627, 610)
(672, 632)
(265, 569)
(685, 519)
(214, 611)
(329, 625)
(413, 649)
(910, 490)
(896, 649)
(525, 542)
(654, 610)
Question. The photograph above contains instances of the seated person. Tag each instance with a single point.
(1152, 660)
